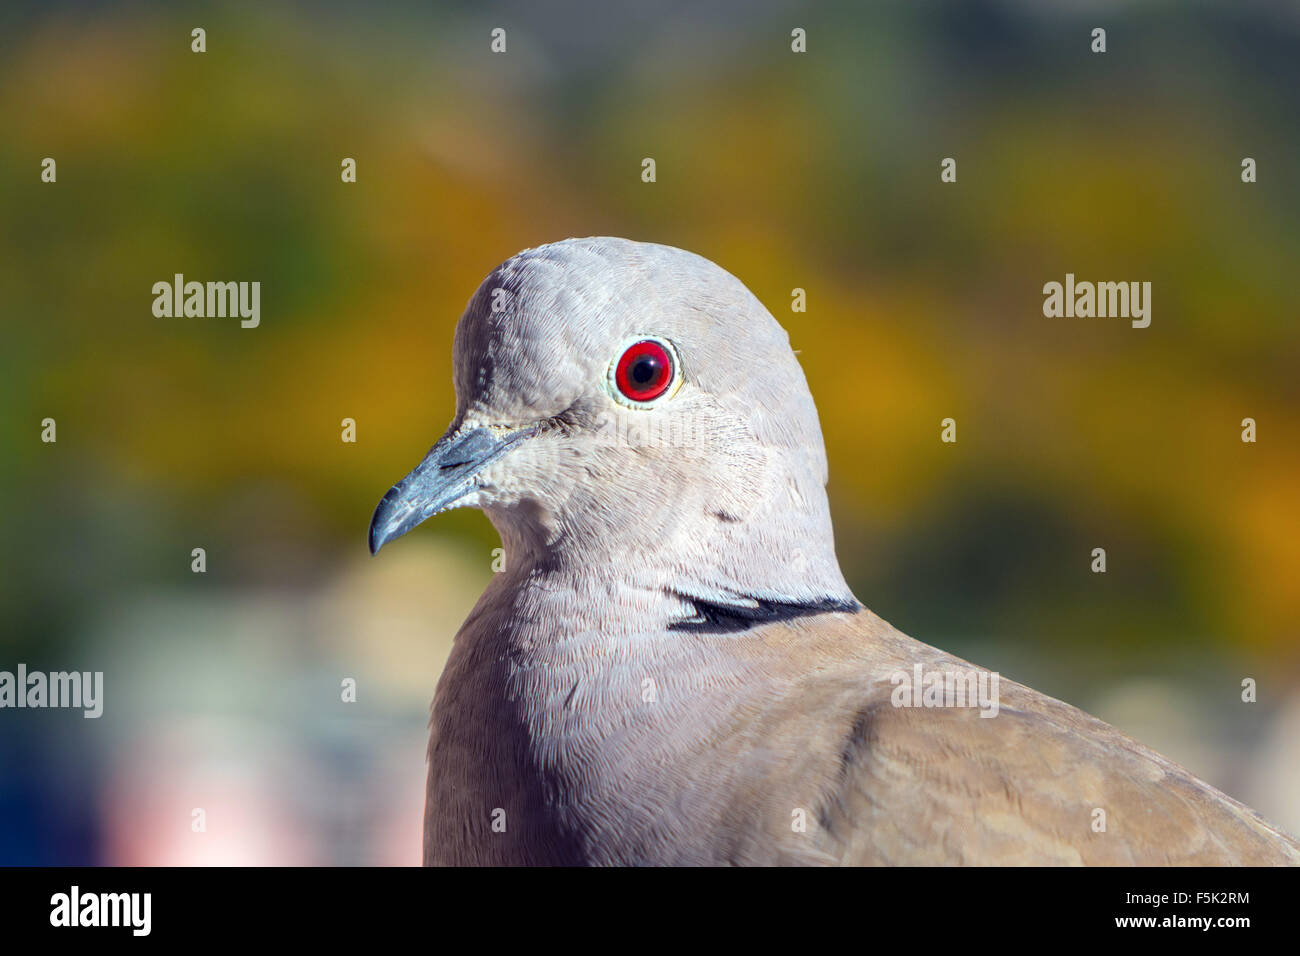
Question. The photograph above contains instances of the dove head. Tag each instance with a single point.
(632, 409)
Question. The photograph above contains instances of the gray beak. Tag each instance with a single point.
(445, 476)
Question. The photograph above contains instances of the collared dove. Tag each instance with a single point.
(671, 668)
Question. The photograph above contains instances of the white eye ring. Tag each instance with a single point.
(627, 392)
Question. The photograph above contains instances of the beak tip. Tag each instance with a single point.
(381, 524)
(441, 481)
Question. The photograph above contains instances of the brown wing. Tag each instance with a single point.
(1033, 785)
(1040, 783)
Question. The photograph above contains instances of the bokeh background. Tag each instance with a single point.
(818, 171)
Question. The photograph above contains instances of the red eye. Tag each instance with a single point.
(645, 371)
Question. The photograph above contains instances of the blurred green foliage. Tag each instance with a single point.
(819, 171)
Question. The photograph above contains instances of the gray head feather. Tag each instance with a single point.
(715, 493)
